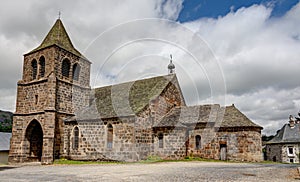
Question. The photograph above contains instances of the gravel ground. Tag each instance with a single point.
(167, 171)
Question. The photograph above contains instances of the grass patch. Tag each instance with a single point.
(150, 159)
(270, 162)
(73, 162)
(155, 159)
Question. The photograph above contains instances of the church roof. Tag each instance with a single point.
(287, 134)
(235, 118)
(228, 116)
(127, 99)
(58, 36)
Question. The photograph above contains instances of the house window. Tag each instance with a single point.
(198, 141)
(76, 138)
(290, 151)
(110, 132)
(76, 70)
(65, 68)
(34, 69)
(161, 140)
(42, 67)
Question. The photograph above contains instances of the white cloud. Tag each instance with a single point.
(259, 54)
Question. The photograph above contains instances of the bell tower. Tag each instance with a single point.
(55, 84)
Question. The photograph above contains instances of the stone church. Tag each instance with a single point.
(58, 115)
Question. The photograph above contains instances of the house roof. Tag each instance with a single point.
(287, 134)
(228, 116)
(4, 141)
(58, 36)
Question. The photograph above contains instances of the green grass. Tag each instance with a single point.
(270, 162)
(155, 159)
(73, 162)
(151, 159)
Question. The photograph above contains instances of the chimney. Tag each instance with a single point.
(292, 121)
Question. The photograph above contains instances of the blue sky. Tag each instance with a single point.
(195, 9)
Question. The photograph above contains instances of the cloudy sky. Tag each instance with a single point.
(244, 52)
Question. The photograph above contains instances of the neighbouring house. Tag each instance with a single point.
(59, 115)
(284, 147)
(4, 147)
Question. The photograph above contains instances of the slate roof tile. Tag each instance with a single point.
(228, 116)
(287, 134)
(59, 37)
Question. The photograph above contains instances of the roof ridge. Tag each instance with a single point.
(132, 81)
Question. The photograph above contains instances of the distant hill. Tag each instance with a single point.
(6, 119)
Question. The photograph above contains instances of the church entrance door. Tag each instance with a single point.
(34, 136)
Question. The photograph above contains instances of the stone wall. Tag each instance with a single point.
(84, 76)
(49, 55)
(71, 98)
(32, 97)
(290, 158)
(170, 98)
(19, 145)
(241, 145)
(279, 153)
(274, 152)
(93, 140)
(173, 143)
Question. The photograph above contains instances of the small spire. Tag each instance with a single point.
(171, 66)
(59, 14)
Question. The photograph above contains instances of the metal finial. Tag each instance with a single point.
(171, 66)
(59, 13)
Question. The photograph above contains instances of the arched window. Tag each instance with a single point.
(65, 69)
(198, 141)
(42, 66)
(34, 69)
(110, 132)
(161, 140)
(76, 138)
(76, 71)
